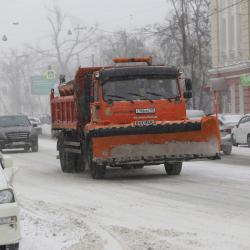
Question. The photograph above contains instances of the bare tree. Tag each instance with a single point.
(66, 45)
(185, 41)
(16, 69)
(122, 44)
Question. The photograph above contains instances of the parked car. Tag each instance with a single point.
(36, 123)
(241, 132)
(226, 123)
(16, 131)
(9, 210)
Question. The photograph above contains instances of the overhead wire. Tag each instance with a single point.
(225, 8)
(149, 33)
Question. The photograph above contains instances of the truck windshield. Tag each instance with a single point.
(14, 121)
(140, 89)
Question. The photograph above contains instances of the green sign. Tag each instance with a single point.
(245, 80)
(40, 85)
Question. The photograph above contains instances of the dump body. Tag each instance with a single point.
(132, 115)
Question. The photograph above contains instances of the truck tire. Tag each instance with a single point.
(34, 146)
(173, 168)
(67, 161)
(97, 171)
(12, 247)
(227, 149)
(79, 163)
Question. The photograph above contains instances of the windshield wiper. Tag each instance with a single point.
(118, 96)
(121, 97)
(143, 96)
(156, 94)
(152, 93)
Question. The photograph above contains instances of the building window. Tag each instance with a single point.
(230, 32)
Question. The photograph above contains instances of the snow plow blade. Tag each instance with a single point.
(159, 143)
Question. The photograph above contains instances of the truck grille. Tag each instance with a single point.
(18, 136)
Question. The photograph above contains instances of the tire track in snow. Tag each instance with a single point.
(36, 210)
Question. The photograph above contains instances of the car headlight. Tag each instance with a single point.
(6, 196)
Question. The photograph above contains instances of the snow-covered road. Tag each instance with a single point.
(206, 207)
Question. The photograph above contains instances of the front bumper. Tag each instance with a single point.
(5, 144)
(179, 141)
(9, 233)
(11, 144)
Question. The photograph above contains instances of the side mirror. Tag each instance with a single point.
(188, 84)
(187, 94)
(237, 125)
(34, 125)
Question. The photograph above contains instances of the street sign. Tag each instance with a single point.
(245, 80)
(50, 74)
(40, 85)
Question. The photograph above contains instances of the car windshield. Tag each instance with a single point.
(140, 89)
(12, 121)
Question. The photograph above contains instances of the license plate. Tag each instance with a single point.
(144, 123)
(145, 111)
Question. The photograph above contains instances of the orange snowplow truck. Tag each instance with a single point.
(129, 116)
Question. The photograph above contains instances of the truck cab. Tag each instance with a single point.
(137, 96)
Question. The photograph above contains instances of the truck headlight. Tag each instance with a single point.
(6, 196)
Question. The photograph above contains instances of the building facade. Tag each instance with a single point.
(230, 74)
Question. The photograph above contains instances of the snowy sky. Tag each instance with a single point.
(110, 15)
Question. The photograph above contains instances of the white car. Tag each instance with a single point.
(241, 132)
(225, 128)
(226, 123)
(9, 210)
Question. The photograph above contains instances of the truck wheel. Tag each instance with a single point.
(80, 163)
(34, 146)
(173, 168)
(227, 150)
(67, 161)
(12, 247)
(97, 171)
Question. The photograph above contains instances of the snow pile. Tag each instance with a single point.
(45, 225)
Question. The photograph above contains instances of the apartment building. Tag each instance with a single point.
(230, 73)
